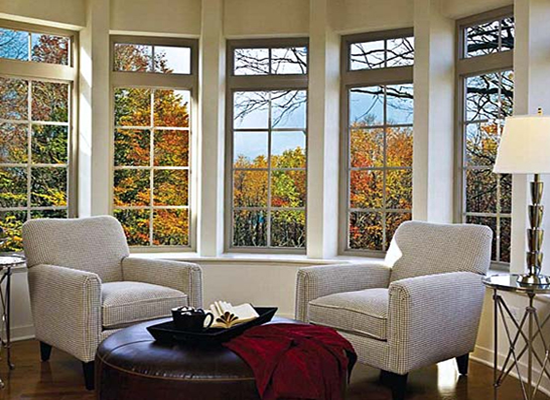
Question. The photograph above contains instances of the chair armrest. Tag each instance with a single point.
(66, 308)
(322, 280)
(433, 318)
(185, 277)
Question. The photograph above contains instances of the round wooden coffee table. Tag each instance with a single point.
(130, 364)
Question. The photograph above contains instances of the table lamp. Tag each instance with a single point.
(525, 149)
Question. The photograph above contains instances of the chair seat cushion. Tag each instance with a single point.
(125, 303)
(364, 312)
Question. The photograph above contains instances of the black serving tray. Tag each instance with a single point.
(166, 332)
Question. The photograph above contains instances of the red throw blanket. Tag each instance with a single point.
(296, 361)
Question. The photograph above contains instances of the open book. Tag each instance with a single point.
(226, 315)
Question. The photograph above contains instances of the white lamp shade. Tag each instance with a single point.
(525, 146)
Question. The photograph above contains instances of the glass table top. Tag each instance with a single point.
(11, 261)
(509, 282)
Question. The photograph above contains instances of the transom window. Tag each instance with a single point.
(152, 144)
(36, 114)
(378, 140)
(267, 142)
(487, 98)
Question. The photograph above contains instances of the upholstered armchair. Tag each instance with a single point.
(419, 306)
(84, 286)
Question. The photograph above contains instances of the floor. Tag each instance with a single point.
(61, 379)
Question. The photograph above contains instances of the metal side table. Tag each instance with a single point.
(6, 265)
(521, 342)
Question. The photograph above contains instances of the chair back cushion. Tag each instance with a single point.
(95, 244)
(422, 248)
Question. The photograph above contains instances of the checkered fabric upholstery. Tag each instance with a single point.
(81, 278)
(125, 303)
(431, 316)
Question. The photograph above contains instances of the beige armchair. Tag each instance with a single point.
(419, 306)
(84, 286)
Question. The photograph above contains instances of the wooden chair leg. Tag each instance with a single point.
(45, 351)
(398, 383)
(462, 363)
(88, 369)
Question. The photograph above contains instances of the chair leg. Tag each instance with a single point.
(462, 363)
(45, 351)
(398, 383)
(88, 369)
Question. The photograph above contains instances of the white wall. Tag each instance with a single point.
(60, 13)
(159, 17)
(264, 18)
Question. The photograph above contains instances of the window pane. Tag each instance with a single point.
(172, 108)
(250, 188)
(13, 143)
(12, 222)
(393, 220)
(481, 191)
(505, 236)
(400, 105)
(288, 150)
(399, 143)
(13, 187)
(50, 49)
(171, 148)
(482, 97)
(50, 101)
(133, 57)
(367, 55)
(131, 187)
(172, 60)
(133, 107)
(288, 189)
(171, 227)
(491, 222)
(399, 189)
(13, 98)
(288, 228)
(288, 109)
(136, 226)
(400, 52)
(482, 39)
(250, 228)
(250, 149)
(365, 231)
(14, 45)
(481, 143)
(251, 61)
(290, 60)
(49, 144)
(366, 189)
(366, 106)
(251, 110)
(132, 147)
(506, 94)
(48, 214)
(171, 187)
(506, 194)
(49, 187)
(367, 147)
(507, 33)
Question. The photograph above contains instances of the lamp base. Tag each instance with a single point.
(534, 279)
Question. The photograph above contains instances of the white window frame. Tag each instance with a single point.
(467, 67)
(57, 73)
(258, 83)
(152, 81)
(351, 79)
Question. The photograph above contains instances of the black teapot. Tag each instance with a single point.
(191, 319)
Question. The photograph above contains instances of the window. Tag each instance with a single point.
(487, 98)
(154, 83)
(36, 135)
(267, 144)
(377, 138)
